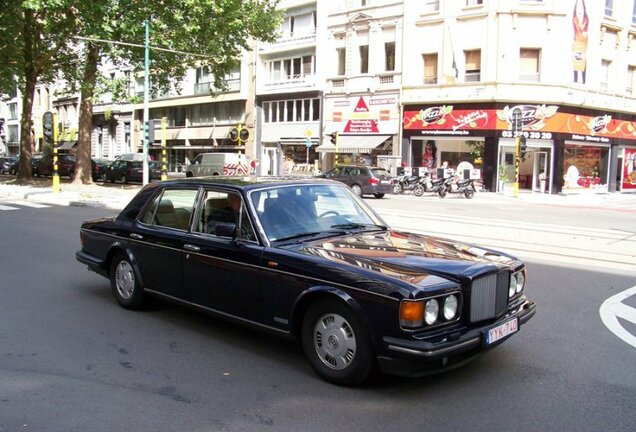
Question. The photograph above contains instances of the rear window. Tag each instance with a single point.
(380, 172)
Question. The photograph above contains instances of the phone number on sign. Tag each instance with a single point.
(528, 135)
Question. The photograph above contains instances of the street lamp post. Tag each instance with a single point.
(146, 97)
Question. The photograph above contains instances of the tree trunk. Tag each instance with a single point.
(83, 171)
(31, 78)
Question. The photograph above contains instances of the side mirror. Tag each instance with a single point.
(225, 229)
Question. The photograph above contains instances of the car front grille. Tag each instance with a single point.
(489, 296)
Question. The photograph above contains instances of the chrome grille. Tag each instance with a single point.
(489, 296)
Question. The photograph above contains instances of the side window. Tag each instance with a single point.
(224, 208)
(171, 209)
(197, 160)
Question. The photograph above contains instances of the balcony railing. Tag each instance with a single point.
(292, 39)
(290, 81)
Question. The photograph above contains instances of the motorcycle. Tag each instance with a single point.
(427, 184)
(454, 185)
(404, 183)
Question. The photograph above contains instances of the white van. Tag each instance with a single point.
(211, 164)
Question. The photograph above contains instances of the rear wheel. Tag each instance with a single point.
(397, 189)
(469, 193)
(124, 179)
(357, 190)
(418, 190)
(442, 192)
(124, 283)
(336, 344)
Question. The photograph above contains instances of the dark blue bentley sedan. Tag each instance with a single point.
(308, 258)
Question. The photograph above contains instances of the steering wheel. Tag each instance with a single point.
(328, 212)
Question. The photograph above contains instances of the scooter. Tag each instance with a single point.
(404, 183)
(454, 185)
(427, 184)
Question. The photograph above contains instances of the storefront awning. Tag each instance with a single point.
(354, 144)
(66, 145)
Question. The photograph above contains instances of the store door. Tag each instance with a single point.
(540, 172)
(506, 171)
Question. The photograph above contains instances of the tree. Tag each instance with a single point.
(217, 30)
(29, 45)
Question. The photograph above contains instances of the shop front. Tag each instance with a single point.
(627, 170)
(568, 150)
(367, 129)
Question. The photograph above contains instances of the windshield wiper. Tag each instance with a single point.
(354, 225)
(309, 234)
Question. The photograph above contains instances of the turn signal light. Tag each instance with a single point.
(411, 314)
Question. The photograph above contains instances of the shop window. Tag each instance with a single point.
(430, 68)
(364, 58)
(342, 61)
(529, 64)
(473, 66)
(585, 166)
(389, 56)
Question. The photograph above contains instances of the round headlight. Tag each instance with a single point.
(450, 307)
(431, 311)
(512, 288)
(521, 281)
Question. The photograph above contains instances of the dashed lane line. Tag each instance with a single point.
(613, 308)
(3, 207)
(28, 204)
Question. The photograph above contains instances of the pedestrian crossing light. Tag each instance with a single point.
(47, 125)
(523, 146)
(234, 134)
(334, 138)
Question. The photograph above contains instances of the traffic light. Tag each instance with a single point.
(523, 146)
(47, 125)
(334, 138)
(244, 134)
(234, 134)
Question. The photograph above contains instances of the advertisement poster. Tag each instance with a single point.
(581, 25)
(629, 170)
(365, 115)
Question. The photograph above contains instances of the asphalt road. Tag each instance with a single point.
(72, 360)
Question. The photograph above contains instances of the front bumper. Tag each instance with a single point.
(408, 357)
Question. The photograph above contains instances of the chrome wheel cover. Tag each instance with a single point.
(125, 280)
(334, 341)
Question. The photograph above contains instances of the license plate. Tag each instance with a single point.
(385, 181)
(501, 331)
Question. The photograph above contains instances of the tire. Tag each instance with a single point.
(125, 284)
(378, 195)
(189, 174)
(418, 191)
(357, 190)
(469, 193)
(71, 175)
(336, 344)
(397, 189)
(442, 192)
(124, 179)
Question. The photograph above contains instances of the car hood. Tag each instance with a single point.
(410, 257)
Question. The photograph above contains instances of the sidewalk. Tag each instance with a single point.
(110, 195)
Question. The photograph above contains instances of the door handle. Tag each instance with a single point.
(136, 236)
(191, 248)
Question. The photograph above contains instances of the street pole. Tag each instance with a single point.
(164, 132)
(517, 127)
(146, 97)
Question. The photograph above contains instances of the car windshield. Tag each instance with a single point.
(297, 211)
(380, 172)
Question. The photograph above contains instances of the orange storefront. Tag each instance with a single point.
(569, 150)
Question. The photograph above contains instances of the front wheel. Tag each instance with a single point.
(124, 283)
(442, 192)
(418, 191)
(378, 195)
(336, 344)
(469, 193)
(124, 179)
(397, 189)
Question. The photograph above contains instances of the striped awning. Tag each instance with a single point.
(354, 144)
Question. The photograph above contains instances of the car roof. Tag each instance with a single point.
(247, 182)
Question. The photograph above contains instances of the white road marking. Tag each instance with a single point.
(613, 308)
(28, 204)
(2, 207)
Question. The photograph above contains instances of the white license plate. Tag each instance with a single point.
(385, 181)
(502, 331)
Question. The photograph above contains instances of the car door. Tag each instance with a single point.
(157, 241)
(221, 272)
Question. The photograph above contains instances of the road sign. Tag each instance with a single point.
(308, 143)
